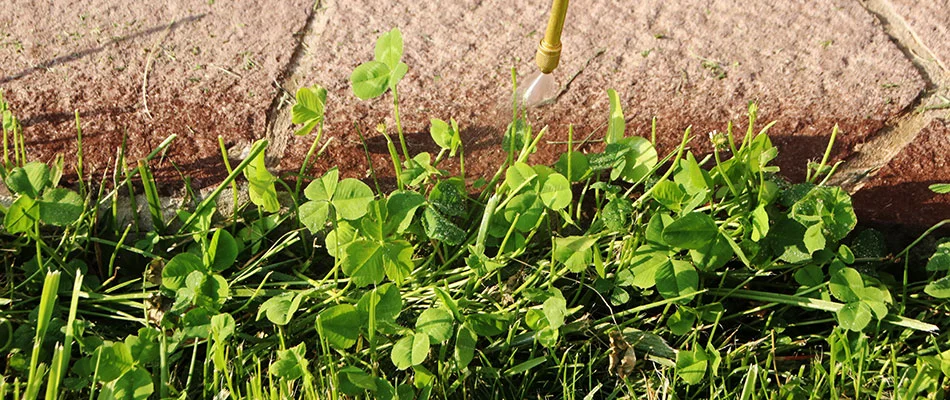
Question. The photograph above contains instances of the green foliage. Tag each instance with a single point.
(222, 251)
(446, 137)
(339, 325)
(380, 307)
(692, 231)
(691, 365)
(555, 192)
(368, 262)
(120, 366)
(410, 350)
(939, 262)
(37, 201)
(465, 342)
(615, 273)
(29, 180)
(445, 204)
(22, 215)
(437, 323)
(863, 300)
(311, 103)
(349, 199)
(178, 269)
(373, 78)
(615, 125)
(676, 278)
(573, 165)
(261, 184)
(575, 252)
(940, 188)
(827, 210)
(389, 48)
(280, 309)
(291, 363)
(354, 381)
(135, 384)
(370, 80)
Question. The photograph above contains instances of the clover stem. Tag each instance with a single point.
(402, 138)
(234, 188)
(462, 161)
(722, 172)
(306, 160)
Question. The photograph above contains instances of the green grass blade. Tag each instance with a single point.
(816, 304)
(61, 358)
(151, 196)
(45, 313)
(258, 147)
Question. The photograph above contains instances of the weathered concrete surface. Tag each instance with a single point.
(196, 68)
(808, 65)
(899, 194)
(930, 21)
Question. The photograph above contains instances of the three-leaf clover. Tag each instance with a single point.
(349, 198)
(372, 78)
(446, 137)
(863, 299)
(309, 109)
(37, 202)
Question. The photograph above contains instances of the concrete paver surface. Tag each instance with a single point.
(808, 65)
(145, 70)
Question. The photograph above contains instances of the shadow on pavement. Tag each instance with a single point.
(80, 54)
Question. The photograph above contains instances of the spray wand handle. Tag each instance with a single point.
(549, 49)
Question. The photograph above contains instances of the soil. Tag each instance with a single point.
(899, 192)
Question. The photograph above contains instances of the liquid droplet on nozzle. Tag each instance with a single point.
(538, 89)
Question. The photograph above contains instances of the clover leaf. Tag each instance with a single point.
(309, 109)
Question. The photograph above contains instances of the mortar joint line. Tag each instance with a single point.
(900, 131)
(278, 143)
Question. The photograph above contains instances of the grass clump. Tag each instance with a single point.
(623, 273)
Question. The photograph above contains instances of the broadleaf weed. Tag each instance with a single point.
(631, 271)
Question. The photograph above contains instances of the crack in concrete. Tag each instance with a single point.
(875, 153)
(567, 85)
(931, 67)
(278, 128)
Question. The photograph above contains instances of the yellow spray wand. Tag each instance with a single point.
(540, 87)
